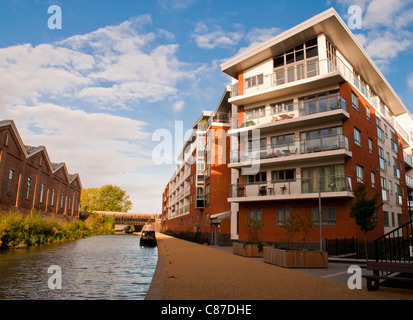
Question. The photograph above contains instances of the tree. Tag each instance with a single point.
(364, 211)
(106, 198)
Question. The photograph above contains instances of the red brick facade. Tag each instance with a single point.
(29, 181)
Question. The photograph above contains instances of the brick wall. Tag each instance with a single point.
(37, 167)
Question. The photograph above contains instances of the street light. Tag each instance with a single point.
(331, 185)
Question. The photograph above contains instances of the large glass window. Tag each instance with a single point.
(255, 217)
(285, 106)
(322, 139)
(328, 216)
(256, 178)
(282, 215)
(282, 141)
(256, 112)
(320, 102)
(297, 63)
(329, 178)
(283, 175)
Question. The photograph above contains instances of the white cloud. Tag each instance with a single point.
(105, 70)
(207, 39)
(384, 33)
(256, 36)
(178, 105)
(410, 80)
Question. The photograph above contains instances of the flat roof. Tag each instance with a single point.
(335, 29)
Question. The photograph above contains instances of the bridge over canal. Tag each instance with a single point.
(123, 219)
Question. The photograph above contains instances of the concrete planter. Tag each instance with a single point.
(295, 258)
(247, 249)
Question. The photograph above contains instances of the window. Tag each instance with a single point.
(9, 182)
(328, 216)
(290, 65)
(323, 139)
(359, 173)
(29, 180)
(399, 219)
(207, 194)
(256, 112)
(379, 129)
(357, 137)
(390, 187)
(6, 138)
(283, 175)
(393, 140)
(321, 102)
(303, 51)
(384, 193)
(286, 106)
(53, 194)
(282, 141)
(396, 168)
(385, 131)
(386, 219)
(256, 178)
(330, 178)
(255, 217)
(370, 146)
(354, 101)
(368, 113)
(382, 161)
(373, 179)
(254, 81)
(393, 221)
(282, 215)
(70, 202)
(42, 193)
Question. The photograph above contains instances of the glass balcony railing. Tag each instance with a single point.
(408, 159)
(304, 107)
(295, 72)
(285, 150)
(291, 187)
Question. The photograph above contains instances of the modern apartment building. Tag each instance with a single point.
(30, 181)
(311, 117)
(195, 199)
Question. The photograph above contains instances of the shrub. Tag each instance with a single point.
(19, 230)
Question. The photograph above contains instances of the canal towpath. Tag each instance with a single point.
(190, 271)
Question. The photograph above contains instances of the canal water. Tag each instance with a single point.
(101, 267)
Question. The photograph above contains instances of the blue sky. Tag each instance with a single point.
(94, 91)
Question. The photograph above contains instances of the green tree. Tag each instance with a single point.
(364, 211)
(89, 199)
(106, 198)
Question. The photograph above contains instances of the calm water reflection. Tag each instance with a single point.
(101, 267)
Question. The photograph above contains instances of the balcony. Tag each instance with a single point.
(305, 188)
(302, 149)
(407, 159)
(310, 74)
(409, 181)
(309, 111)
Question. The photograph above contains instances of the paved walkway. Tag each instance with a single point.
(189, 271)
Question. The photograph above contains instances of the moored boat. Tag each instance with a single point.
(147, 238)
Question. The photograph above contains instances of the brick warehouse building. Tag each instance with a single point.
(311, 117)
(30, 181)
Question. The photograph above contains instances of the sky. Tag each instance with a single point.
(96, 90)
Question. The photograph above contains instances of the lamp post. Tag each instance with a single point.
(331, 185)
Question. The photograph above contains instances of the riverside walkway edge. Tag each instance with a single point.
(190, 271)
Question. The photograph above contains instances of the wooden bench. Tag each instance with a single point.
(373, 281)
